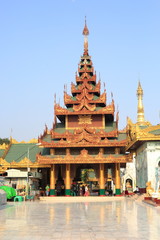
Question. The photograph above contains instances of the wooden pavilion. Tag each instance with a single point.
(85, 134)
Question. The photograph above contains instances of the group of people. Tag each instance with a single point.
(80, 189)
(76, 190)
(60, 190)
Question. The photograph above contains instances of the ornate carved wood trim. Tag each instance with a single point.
(84, 157)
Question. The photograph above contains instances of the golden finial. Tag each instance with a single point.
(140, 108)
(85, 30)
(85, 33)
(139, 89)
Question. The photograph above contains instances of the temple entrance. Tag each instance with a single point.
(85, 177)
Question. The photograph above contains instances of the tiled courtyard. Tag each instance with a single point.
(114, 219)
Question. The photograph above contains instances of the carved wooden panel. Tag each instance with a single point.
(78, 121)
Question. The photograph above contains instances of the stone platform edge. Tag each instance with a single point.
(80, 199)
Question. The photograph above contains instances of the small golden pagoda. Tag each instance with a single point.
(144, 140)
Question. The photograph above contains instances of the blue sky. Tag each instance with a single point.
(40, 47)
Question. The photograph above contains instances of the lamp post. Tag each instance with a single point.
(28, 168)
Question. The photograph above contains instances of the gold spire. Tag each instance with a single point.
(140, 108)
(85, 33)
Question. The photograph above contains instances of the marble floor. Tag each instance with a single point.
(111, 220)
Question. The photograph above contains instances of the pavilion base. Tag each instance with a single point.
(52, 193)
(81, 199)
(67, 192)
(118, 192)
(102, 192)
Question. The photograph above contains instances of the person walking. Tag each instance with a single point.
(47, 188)
(86, 191)
(83, 190)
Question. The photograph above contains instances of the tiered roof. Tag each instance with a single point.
(86, 107)
(86, 97)
(86, 100)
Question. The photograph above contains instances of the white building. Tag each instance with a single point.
(144, 142)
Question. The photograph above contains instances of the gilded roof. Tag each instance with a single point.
(85, 30)
(156, 131)
(137, 134)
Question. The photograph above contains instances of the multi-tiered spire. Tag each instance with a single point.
(86, 93)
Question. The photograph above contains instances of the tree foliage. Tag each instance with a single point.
(85, 175)
(4, 140)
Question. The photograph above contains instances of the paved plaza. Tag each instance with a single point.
(113, 219)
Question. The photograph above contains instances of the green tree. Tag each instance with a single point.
(85, 175)
(4, 140)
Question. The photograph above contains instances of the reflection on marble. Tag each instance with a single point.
(111, 220)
